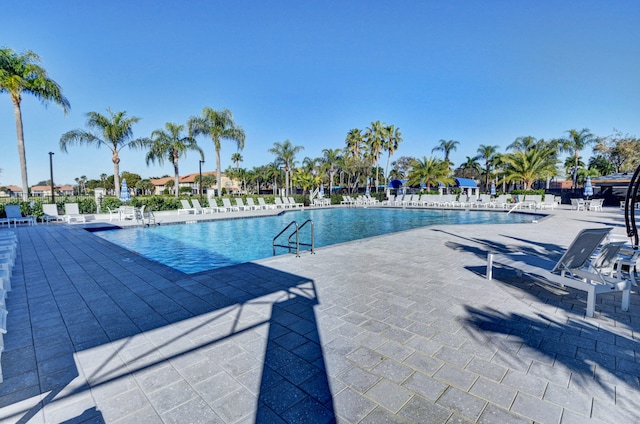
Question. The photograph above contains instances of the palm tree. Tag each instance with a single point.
(272, 171)
(22, 73)
(285, 153)
(574, 143)
(469, 168)
(114, 131)
(488, 154)
(354, 142)
(170, 144)
(523, 143)
(392, 141)
(236, 158)
(528, 166)
(430, 171)
(218, 125)
(331, 159)
(374, 139)
(446, 146)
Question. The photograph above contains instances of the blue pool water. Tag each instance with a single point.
(201, 246)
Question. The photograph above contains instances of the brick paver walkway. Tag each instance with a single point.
(398, 328)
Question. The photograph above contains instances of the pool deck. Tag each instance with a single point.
(396, 328)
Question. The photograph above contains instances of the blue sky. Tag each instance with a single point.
(480, 72)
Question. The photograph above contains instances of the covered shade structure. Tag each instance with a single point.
(468, 185)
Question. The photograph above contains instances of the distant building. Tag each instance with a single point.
(190, 180)
(10, 191)
(45, 191)
(560, 185)
(612, 187)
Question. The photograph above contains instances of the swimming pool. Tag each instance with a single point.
(200, 246)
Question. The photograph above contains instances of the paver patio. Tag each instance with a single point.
(397, 328)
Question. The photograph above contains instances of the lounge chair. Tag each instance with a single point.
(186, 207)
(548, 202)
(574, 269)
(265, 205)
(50, 211)
(279, 204)
(199, 208)
(72, 213)
(15, 215)
(226, 203)
(240, 204)
(251, 204)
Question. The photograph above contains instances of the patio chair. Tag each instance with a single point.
(201, 209)
(574, 269)
(595, 205)
(548, 202)
(50, 213)
(251, 204)
(15, 215)
(145, 218)
(226, 203)
(265, 205)
(240, 204)
(577, 204)
(72, 213)
(186, 207)
(279, 203)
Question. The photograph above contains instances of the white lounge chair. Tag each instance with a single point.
(226, 203)
(295, 204)
(240, 204)
(279, 204)
(72, 213)
(199, 208)
(186, 207)
(265, 205)
(251, 204)
(573, 269)
(50, 211)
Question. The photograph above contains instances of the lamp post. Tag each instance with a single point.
(200, 181)
(53, 195)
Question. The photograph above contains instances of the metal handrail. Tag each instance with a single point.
(295, 233)
(629, 207)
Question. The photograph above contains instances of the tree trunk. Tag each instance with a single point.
(21, 149)
(218, 172)
(116, 172)
(176, 176)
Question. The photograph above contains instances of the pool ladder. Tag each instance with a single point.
(294, 244)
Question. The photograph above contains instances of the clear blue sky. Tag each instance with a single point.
(480, 72)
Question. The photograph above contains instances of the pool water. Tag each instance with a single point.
(201, 246)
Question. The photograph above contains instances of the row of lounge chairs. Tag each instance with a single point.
(588, 265)
(196, 208)
(8, 250)
(483, 201)
(50, 213)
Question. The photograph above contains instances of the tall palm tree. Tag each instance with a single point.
(446, 146)
(354, 142)
(21, 73)
(574, 143)
(488, 154)
(392, 141)
(285, 153)
(272, 172)
(374, 139)
(331, 160)
(218, 125)
(527, 166)
(172, 145)
(237, 158)
(114, 131)
(430, 171)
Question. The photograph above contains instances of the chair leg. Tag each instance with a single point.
(591, 301)
(489, 266)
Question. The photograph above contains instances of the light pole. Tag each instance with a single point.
(200, 181)
(53, 195)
